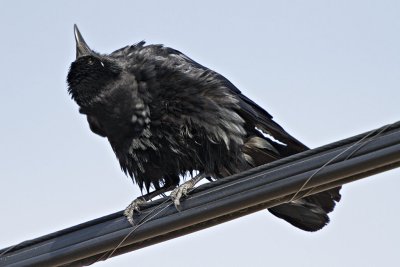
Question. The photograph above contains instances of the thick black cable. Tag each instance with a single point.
(217, 202)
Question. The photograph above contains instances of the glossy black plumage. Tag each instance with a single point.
(166, 115)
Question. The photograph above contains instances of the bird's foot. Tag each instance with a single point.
(181, 191)
(132, 208)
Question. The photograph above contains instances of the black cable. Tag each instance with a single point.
(217, 202)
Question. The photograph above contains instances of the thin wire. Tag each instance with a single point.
(368, 141)
(145, 219)
(10, 248)
(293, 198)
(148, 217)
(341, 153)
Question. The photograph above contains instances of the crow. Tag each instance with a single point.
(166, 115)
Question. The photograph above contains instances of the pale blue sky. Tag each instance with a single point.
(326, 70)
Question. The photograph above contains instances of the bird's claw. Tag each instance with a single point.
(179, 192)
(132, 208)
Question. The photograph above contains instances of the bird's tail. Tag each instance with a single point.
(309, 213)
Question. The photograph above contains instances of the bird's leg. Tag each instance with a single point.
(135, 205)
(184, 189)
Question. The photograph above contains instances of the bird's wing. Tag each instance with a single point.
(250, 111)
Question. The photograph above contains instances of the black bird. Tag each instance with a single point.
(165, 116)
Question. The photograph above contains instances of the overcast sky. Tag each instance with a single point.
(325, 70)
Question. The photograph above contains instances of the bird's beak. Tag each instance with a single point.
(82, 49)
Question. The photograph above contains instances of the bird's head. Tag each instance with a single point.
(90, 73)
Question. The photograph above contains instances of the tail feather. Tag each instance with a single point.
(309, 213)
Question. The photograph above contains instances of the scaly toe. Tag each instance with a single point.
(132, 208)
(179, 192)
